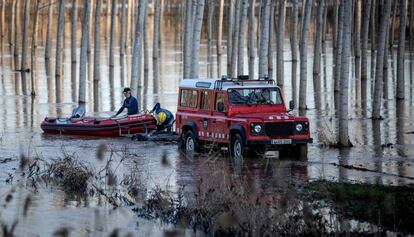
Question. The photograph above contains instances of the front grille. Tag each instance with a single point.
(279, 129)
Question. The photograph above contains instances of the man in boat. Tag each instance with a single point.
(130, 103)
(164, 118)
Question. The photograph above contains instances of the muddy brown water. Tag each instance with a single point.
(383, 151)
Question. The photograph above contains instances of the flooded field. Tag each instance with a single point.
(383, 151)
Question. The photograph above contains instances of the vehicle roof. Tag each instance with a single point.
(215, 84)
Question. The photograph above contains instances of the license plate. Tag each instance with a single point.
(281, 141)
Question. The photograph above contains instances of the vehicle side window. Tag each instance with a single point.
(189, 98)
(205, 100)
(220, 97)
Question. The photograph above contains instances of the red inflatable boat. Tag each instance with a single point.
(98, 126)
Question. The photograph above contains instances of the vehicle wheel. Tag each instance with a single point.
(300, 151)
(189, 141)
(236, 147)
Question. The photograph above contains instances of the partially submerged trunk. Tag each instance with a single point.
(48, 45)
(59, 46)
(317, 55)
(34, 46)
(137, 49)
(195, 49)
(294, 49)
(264, 39)
(304, 54)
(280, 36)
(83, 54)
(23, 66)
(344, 81)
(73, 45)
(97, 55)
(382, 34)
(401, 50)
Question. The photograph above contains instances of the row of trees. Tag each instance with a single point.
(356, 24)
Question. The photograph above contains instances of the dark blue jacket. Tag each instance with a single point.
(170, 117)
(131, 104)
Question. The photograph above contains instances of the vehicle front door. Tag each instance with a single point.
(218, 130)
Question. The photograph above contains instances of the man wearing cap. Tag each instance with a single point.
(130, 103)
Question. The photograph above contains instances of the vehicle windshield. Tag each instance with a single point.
(254, 96)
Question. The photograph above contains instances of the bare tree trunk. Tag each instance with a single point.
(357, 46)
(264, 39)
(2, 28)
(83, 54)
(137, 49)
(344, 82)
(146, 54)
(401, 50)
(304, 54)
(122, 44)
(210, 38)
(242, 32)
(34, 46)
(391, 33)
(16, 32)
(280, 74)
(338, 56)
(196, 39)
(73, 46)
(219, 38)
(272, 26)
(155, 51)
(364, 58)
(230, 37)
(294, 49)
(385, 68)
(48, 45)
(59, 39)
(107, 19)
(97, 55)
(373, 45)
(383, 28)
(23, 66)
(11, 21)
(235, 38)
(187, 39)
(252, 53)
(317, 56)
(112, 45)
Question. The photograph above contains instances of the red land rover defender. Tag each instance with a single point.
(244, 115)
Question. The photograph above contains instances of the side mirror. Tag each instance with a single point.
(291, 105)
(220, 107)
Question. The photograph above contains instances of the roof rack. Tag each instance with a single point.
(218, 84)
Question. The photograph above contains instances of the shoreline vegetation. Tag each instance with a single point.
(220, 203)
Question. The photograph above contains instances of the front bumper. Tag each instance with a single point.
(270, 143)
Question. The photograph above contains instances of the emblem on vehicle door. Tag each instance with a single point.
(205, 123)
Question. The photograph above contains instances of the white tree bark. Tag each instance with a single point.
(16, 32)
(280, 36)
(73, 45)
(83, 53)
(34, 46)
(272, 27)
(187, 38)
(382, 34)
(364, 56)
(58, 58)
(219, 39)
(48, 45)
(137, 49)
(294, 49)
(251, 43)
(112, 45)
(122, 43)
(23, 66)
(235, 37)
(210, 38)
(401, 50)
(242, 32)
(317, 55)
(373, 45)
(155, 49)
(338, 56)
(357, 47)
(344, 81)
(264, 39)
(230, 27)
(304, 54)
(97, 55)
(198, 21)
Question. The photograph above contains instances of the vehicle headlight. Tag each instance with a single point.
(257, 128)
(299, 127)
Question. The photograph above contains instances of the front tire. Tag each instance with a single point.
(236, 147)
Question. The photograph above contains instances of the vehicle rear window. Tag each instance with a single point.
(189, 98)
(205, 100)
